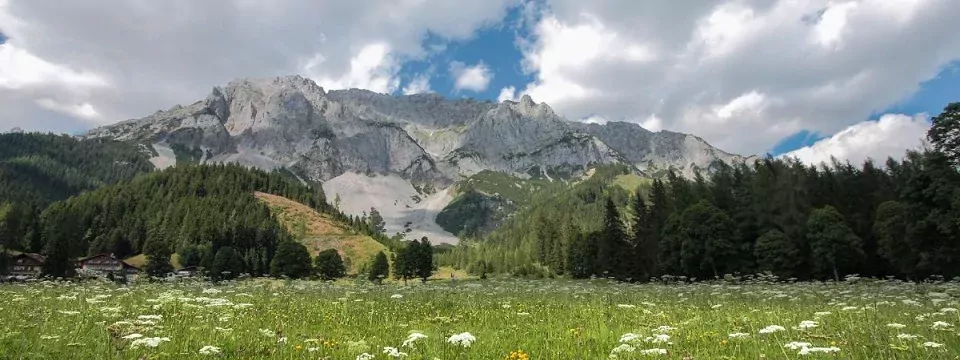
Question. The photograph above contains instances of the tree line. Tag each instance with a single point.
(775, 215)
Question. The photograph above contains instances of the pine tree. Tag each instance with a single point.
(227, 264)
(707, 245)
(777, 254)
(613, 248)
(424, 257)
(835, 248)
(158, 259)
(292, 260)
(379, 269)
(582, 255)
(945, 132)
(329, 265)
(892, 230)
(377, 225)
(657, 220)
(641, 259)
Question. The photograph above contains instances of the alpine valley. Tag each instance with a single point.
(411, 157)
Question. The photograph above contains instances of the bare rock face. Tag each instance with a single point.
(292, 122)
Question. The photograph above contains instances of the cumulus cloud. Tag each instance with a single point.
(419, 85)
(891, 136)
(742, 74)
(474, 78)
(150, 55)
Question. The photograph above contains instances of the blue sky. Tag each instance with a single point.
(748, 79)
(493, 45)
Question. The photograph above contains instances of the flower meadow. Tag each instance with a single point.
(490, 319)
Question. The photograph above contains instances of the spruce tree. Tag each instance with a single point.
(292, 260)
(894, 239)
(640, 258)
(329, 265)
(777, 254)
(945, 132)
(158, 259)
(424, 259)
(835, 249)
(227, 264)
(379, 269)
(613, 248)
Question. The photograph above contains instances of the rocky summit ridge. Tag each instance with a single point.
(424, 140)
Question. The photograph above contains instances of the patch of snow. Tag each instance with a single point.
(393, 197)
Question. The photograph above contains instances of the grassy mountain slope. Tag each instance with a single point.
(319, 232)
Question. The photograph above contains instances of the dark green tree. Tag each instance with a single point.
(379, 269)
(227, 264)
(835, 249)
(892, 230)
(377, 225)
(944, 134)
(292, 260)
(424, 258)
(329, 265)
(582, 255)
(642, 262)
(707, 243)
(613, 249)
(158, 259)
(777, 254)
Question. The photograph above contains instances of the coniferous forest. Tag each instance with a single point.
(898, 218)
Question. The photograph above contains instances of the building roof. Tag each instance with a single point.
(96, 256)
(34, 256)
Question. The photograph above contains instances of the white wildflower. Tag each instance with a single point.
(150, 317)
(664, 328)
(151, 342)
(738, 335)
(850, 308)
(393, 352)
(211, 291)
(826, 350)
(654, 352)
(941, 325)
(622, 348)
(626, 306)
(717, 306)
(794, 345)
(365, 356)
(948, 310)
(896, 326)
(132, 336)
(462, 339)
(412, 338)
(931, 344)
(209, 350)
(282, 340)
(267, 333)
(396, 296)
(68, 312)
(629, 337)
(772, 329)
(807, 324)
(661, 338)
(906, 336)
(821, 313)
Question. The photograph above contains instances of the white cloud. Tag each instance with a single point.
(474, 78)
(891, 136)
(84, 110)
(742, 74)
(373, 68)
(507, 93)
(419, 85)
(151, 60)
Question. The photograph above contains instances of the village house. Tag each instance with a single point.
(103, 264)
(26, 265)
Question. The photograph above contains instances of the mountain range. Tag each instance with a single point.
(403, 155)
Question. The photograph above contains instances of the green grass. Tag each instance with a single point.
(631, 182)
(547, 319)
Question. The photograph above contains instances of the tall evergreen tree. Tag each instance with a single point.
(329, 265)
(835, 248)
(379, 269)
(892, 230)
(158, 259)
(227, 264)
(777, 254)
(292, 260)
(613, 248)
(424, 259)
(641, 260)
(945, 132)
